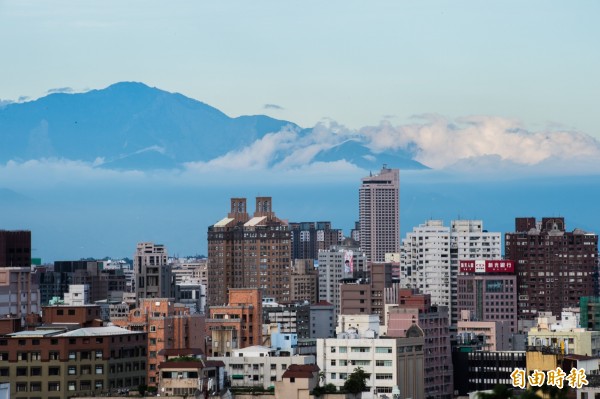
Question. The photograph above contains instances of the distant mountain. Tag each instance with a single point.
(132, 126)
(356, 153)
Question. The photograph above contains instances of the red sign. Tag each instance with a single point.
(491, 266)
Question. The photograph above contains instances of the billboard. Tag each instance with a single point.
(348, 262)
(487, 266)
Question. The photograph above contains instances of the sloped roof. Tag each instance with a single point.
(301, 371)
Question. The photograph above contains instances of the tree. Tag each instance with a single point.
(356, 381)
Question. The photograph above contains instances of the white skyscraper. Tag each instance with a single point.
(379, 216)
(431, 253)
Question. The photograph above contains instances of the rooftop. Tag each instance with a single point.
(98, 332)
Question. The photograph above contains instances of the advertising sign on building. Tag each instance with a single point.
(487, 266)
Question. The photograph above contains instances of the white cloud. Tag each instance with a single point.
(440, 142)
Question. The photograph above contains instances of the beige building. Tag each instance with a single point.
(564, 336)
(297, 382)
(379, 215)
(259, 366)
(19, 296)
(152, 272)
(390, 362)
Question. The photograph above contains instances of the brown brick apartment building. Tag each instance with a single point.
(54, 363)
(554, 267)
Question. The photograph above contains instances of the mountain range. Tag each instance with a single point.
(130, 125)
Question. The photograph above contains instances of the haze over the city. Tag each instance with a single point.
(497, 99)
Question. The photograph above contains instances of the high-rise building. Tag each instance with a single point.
(336, 264)
(152, 271)
(379, 216)
(15, 248)
(430, 256)
(308, 238)
(554, 267)
(246, 252)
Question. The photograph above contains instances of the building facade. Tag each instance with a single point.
(308, 238)
(379, 214)
(15, 248)
(430, 256)
(336, 264)
(152, 271)
(554, 267)
(55, 363)
(246, 252)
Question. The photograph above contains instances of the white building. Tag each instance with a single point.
(390, 362)
(336, 264)
(78, 295)
(430, 256)
(258, 366)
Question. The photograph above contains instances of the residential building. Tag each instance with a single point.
(304, 281)
(379, 214)
(297, 381)
(19, 295)
(431, 254)
(322, 320)
(153, 277)
(167, 325)
(190, 378)
(366, 295)
(79, 294)
(564, 336)
(246, 252)
(236, 325)
(555, 268)
(61, 363)
(336, 264)
(259, 366)
(308, 238)
(389, 362)
(590, 312)
(15, 248)
(416, 309)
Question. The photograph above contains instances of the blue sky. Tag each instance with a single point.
(354, 62)
(504, 92)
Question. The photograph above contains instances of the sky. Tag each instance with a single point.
(354, 62)
(492, 95)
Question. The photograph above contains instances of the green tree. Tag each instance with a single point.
(356, 381)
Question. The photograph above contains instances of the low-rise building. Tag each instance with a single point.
(259, 366)
(56, 363)
(297, 381)
(389, 362)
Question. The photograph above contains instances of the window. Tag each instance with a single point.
(99, 384)
(99, 369)
(71, 386)
(333, 376)
(386, 376)
(36, 356)
(72, 355)
(383, 349)
(22, 356)
(361, 349)
(71, 312)
(54, 386)
(333, 362)
(72, 370)
(35, 371)
(85, 355)
(84, 370)
(4, 372)
(98, 354)
(35, 386)
(53, 355)
(22, 387)
(343, 349)
(60, 312)
(284, 366)
(273, 367)
(292, 379)
(383, 363)
(21, 371)
(53, 370)
(152, 328)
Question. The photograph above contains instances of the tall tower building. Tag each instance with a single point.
(554, 267)
(379, 217)
(152, 271)
(308, 238)
(246, 252)
(431, 254)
